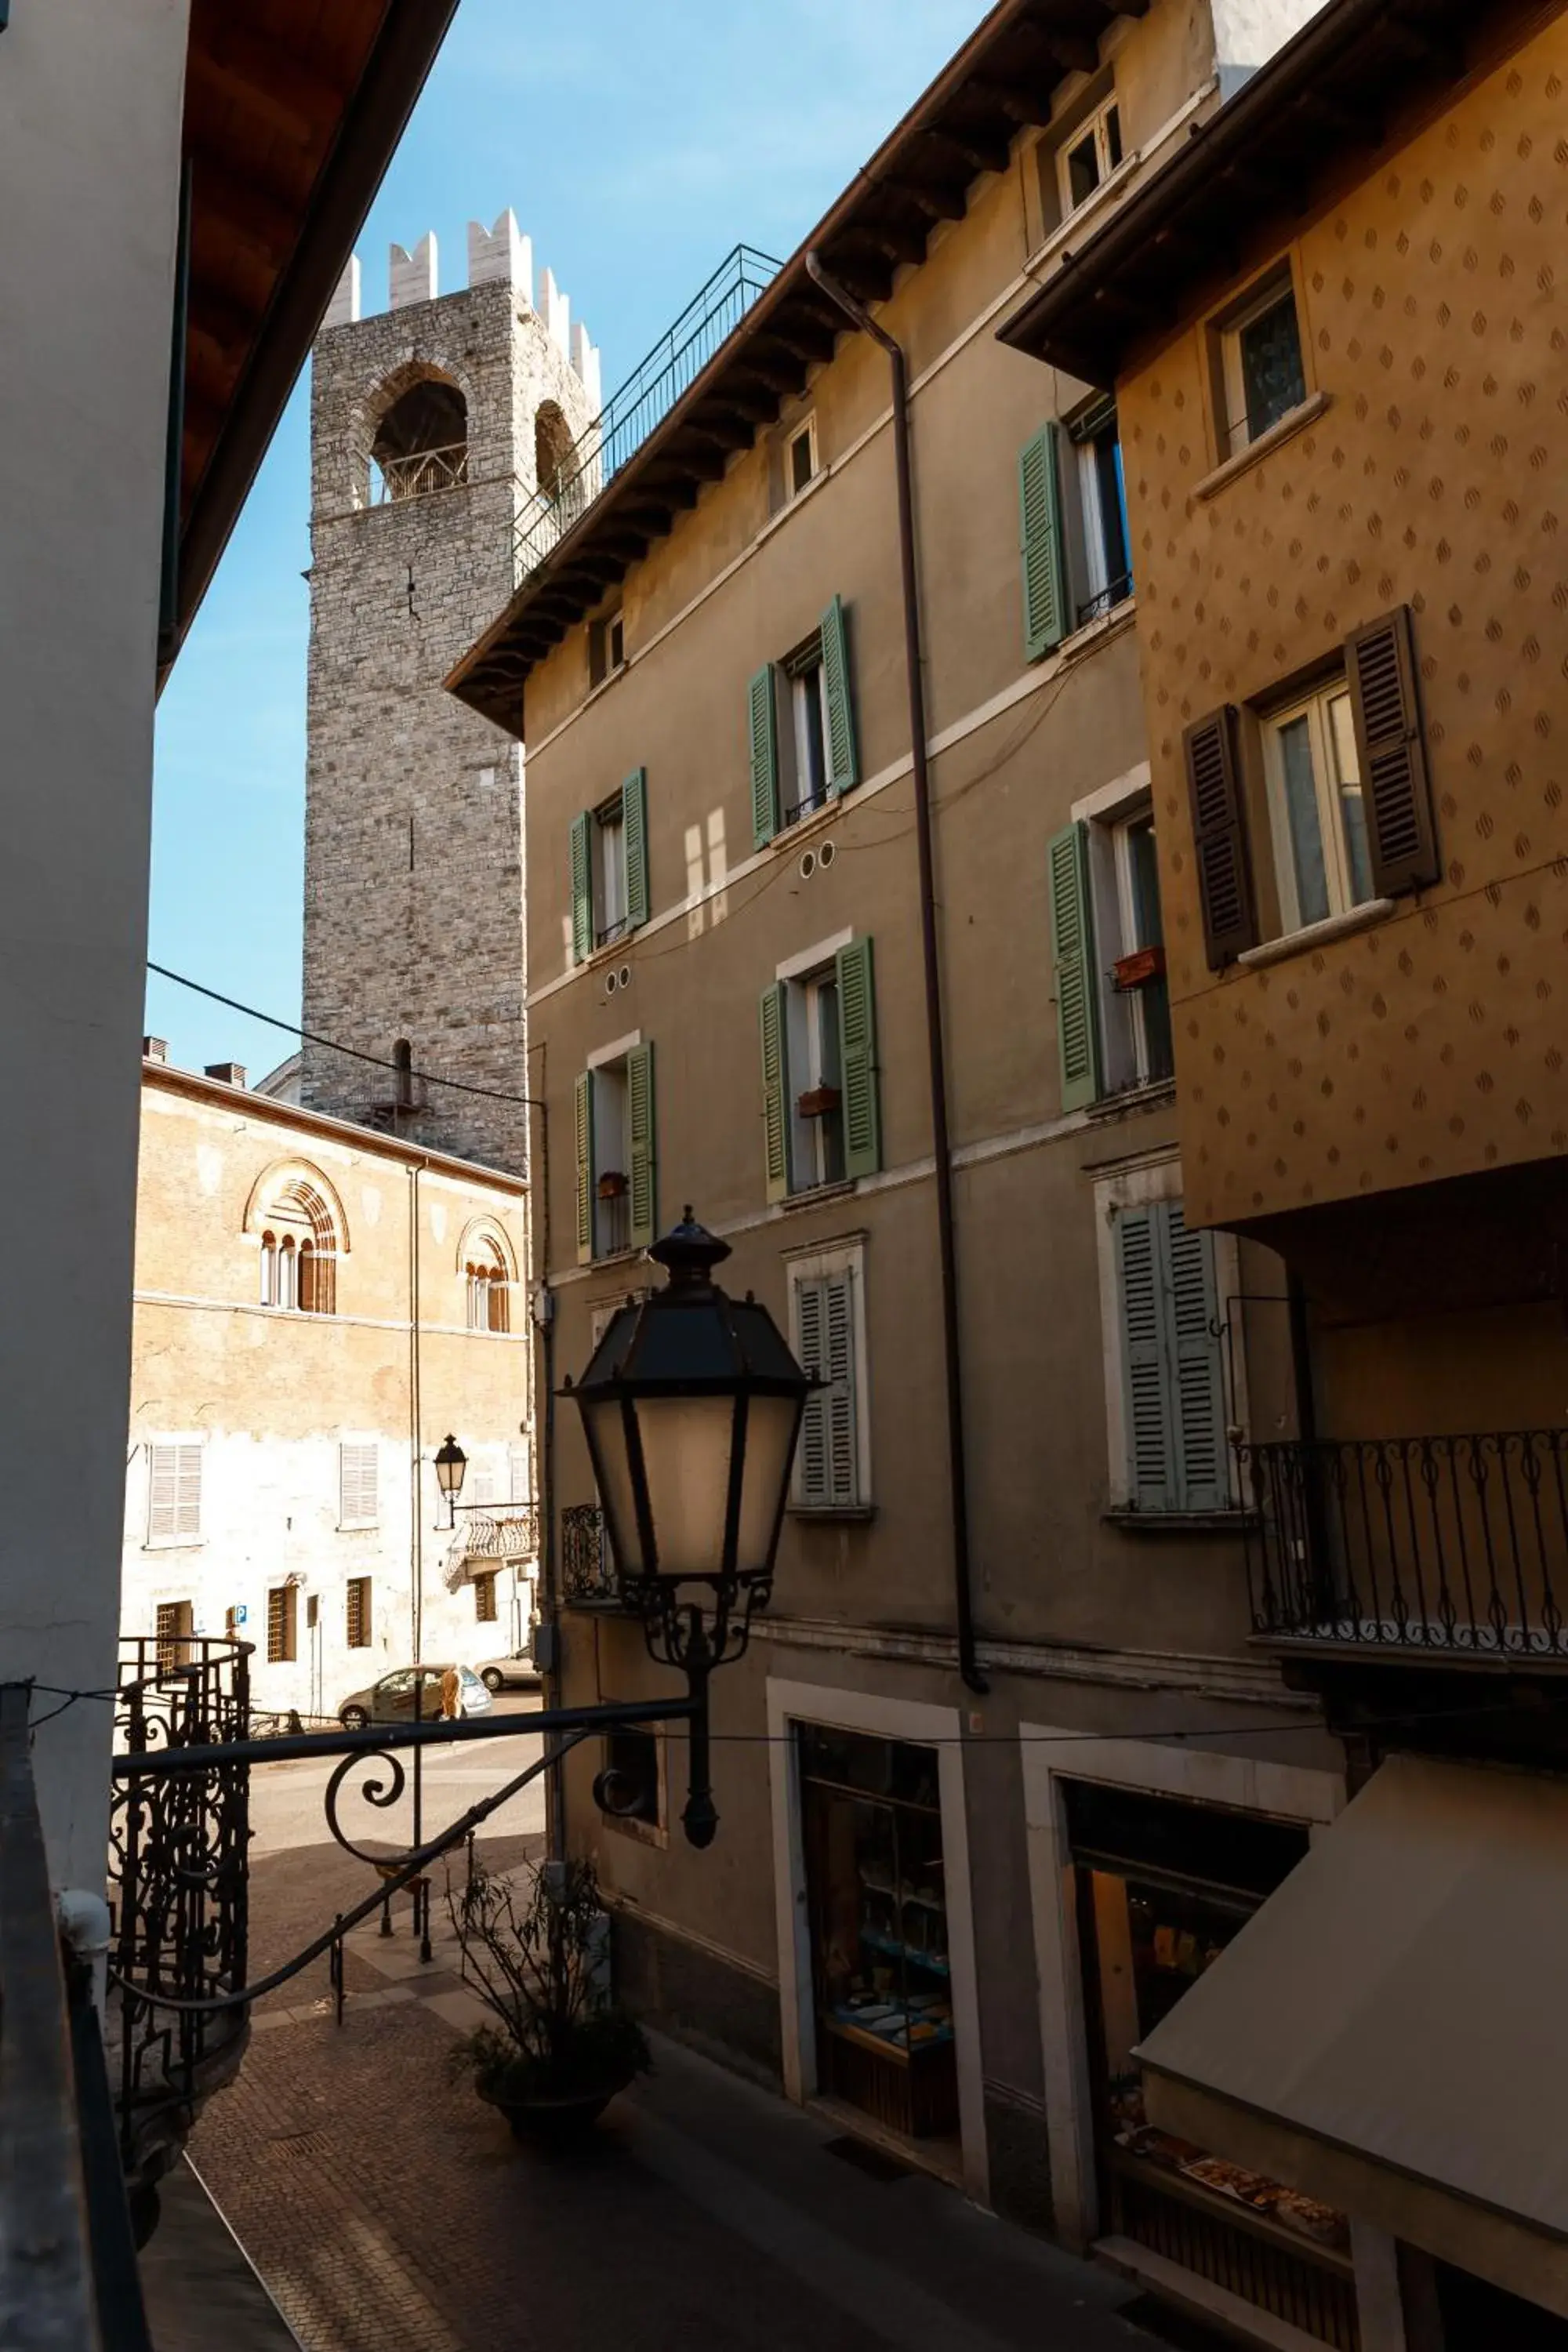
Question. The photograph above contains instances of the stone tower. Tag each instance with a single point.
(433, 428)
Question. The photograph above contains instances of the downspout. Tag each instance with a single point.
(544, 1485)
(416, 1422)
(958, 1483)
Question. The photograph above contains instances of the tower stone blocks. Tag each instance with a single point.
(429, 426)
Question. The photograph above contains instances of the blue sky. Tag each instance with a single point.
(637, 144)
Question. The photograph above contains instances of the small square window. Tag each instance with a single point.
(1263, 375)
(800, 462)
(607, 648)
(1317, 808)
(1089, 156)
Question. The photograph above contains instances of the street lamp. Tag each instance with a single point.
(691, 1405)
(451, 1468)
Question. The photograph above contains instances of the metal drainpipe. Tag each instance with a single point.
(958, 1483)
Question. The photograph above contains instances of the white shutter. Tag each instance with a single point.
(838, 1322)
(484, 1485)
(188, 1490)
(812, 1486)
(359, 1500)
(173, 1493)
(518, 1474)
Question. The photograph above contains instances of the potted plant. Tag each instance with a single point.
(613, 1185)
(819, 1102)
(560, 2048)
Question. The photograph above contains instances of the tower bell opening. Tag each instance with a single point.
(421, 444)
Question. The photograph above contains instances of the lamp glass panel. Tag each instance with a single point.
(770, 1447)
(449, 1472)
(686, 1443)
(607, 1436)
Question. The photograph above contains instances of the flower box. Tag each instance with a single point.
(613, 1185)
(1140, 969)
(819, 1102)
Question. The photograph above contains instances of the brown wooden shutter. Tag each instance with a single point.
(1220, 836)
(1380, 661)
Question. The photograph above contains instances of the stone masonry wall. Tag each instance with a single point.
(415, 921)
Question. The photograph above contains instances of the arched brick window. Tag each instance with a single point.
(301, 1232)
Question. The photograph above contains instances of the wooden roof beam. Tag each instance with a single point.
(1025, 99)
(937, 199)
(981, 155)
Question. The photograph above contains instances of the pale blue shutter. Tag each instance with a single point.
(634, 834)
(641, 1121)
(1203, 1460)
(1040, 545)
(1151, 1448)
(838, 709)
(858, 1059)
(1072, 945)
(763, 724)
(775, 1114)
(581, 888)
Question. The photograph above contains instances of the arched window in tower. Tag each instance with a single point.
(486, 1262)
(554, 450)
(421, 443)
(301, 1229)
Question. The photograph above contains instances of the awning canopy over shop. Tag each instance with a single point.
(1389, 2033)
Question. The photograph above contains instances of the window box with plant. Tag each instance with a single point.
(818, 1025)
(614, 1134)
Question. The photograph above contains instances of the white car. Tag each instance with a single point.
(392, 1700)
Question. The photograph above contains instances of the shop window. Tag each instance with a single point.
(1088, 156)
(1260, 376)
(1108, 949)
(877, 1918)
(615, 1135)
(1317, 811)
(282, 1624)
(357, 1613)
(801, 721)
(486, 1608)
(175, 1623)
(175, 1492)
(1162, 1887)
(1172, 1369)
(827, 1333)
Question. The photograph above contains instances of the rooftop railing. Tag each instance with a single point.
(648, 393)
(1454, 1547)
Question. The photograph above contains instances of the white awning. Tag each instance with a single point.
(1389, 2033)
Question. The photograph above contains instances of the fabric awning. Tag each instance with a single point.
(1389, 2033)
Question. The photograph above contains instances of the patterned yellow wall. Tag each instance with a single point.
(1434, 1044)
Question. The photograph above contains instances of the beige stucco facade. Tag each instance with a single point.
(277, 1450)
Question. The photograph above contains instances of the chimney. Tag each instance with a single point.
(154, 1049)
(229, 1074)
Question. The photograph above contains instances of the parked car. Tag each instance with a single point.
(516, 1673)
(392, 1699)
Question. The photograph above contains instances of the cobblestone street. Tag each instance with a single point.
(388, 2211)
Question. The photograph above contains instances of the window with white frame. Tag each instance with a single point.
(610, 877)
(1316, 805)
(817, 1072)
(1165, 1353)
(606, 646)
(1261, 375)
(821, 1115)
(1088, 155)
(827, 1332)
(616, 1202)
(358, 1483)
(804, 755)
(174, 1491)
(1102, 509)
(800, 457)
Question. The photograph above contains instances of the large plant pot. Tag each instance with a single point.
(555, 2121)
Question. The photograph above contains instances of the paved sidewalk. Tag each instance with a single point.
(389, 2211)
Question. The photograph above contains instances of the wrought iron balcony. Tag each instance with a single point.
(589, 1576)
(649, 393)
(1455, 1548)
(178, 1895)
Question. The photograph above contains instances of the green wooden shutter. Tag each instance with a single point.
(1202, 1450)
(581, 888)
(634, 833)
(762, 719)
(775, 1116)
(1145, 1355)
(839, 1397)
(838, 709)
(584, 1136)
(858, 1059)
(644, 1155)
(1040, 544)
(1072, 947)
(811, 1486)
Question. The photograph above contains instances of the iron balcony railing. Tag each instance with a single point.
(1454, 1547)
(416, 476)
(589, 1576)
(178, 1895)
(648, 393)
(507, 1531)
